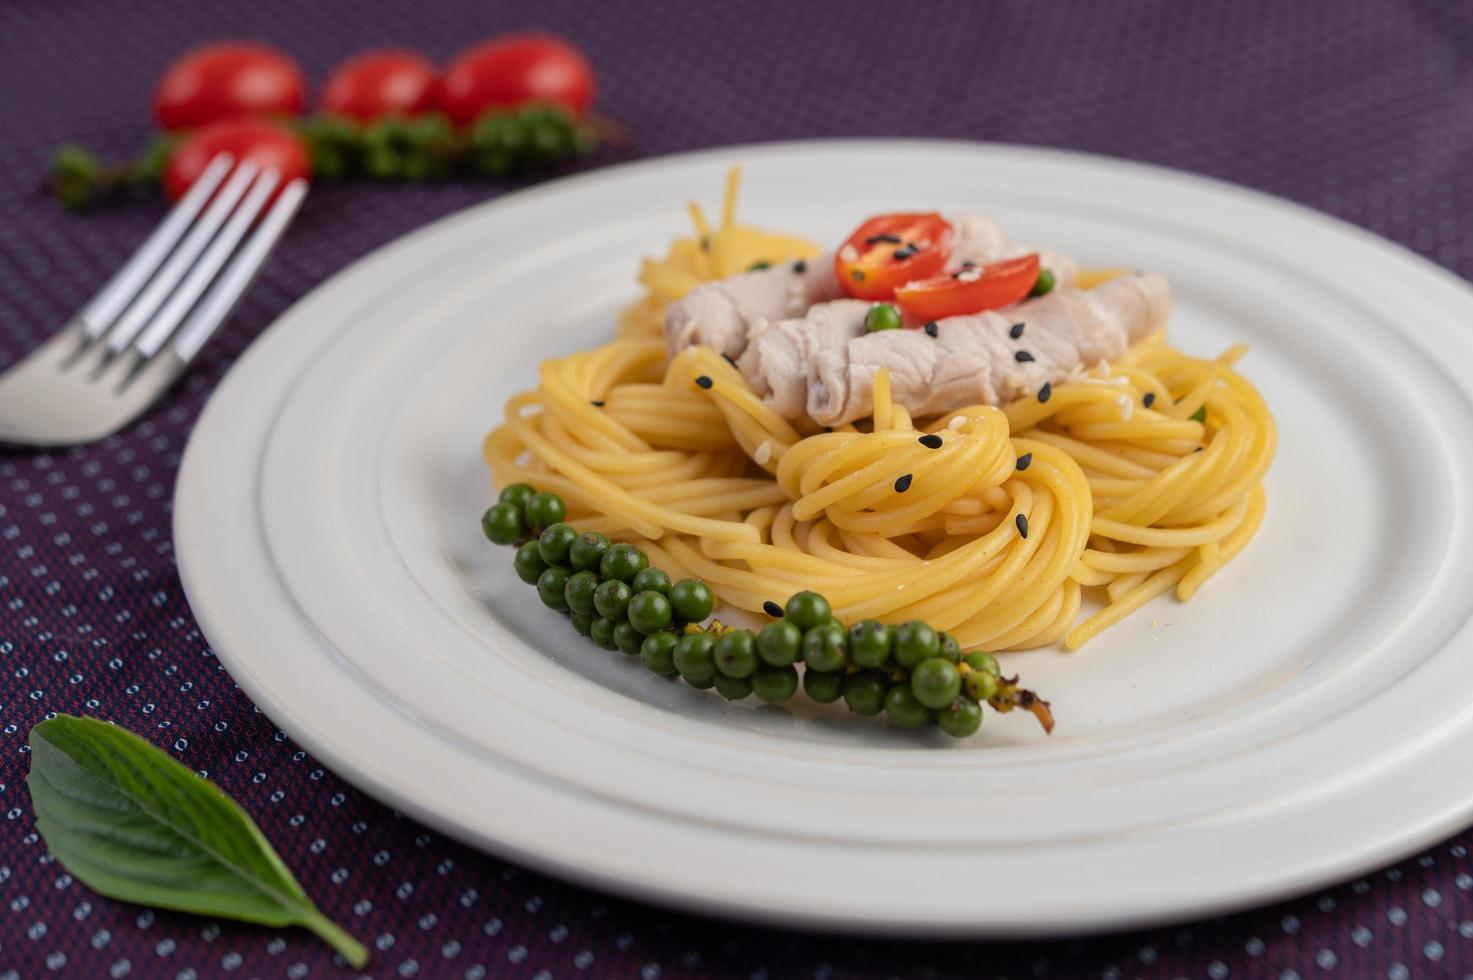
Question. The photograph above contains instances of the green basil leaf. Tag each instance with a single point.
(134, 824)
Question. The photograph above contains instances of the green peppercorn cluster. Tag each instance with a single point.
(911, 672)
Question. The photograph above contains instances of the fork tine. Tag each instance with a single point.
(209, 264)
(104, 308)
(218, 302)
(178, 263)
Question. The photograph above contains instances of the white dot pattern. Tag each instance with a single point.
(1357, 108)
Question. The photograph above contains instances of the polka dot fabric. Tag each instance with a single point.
(1356, 107)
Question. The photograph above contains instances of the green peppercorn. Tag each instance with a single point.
(502, 523)
(658, 651)
(554, 543)
(693, 657)
(582, 622)
(914, 642)
(736, 653)
(775, 684)
(864, 693)
(882, 316)
(980, 685)
(935, 682)
(904, 709)
(528, 562)
(627, 638)
(649, 612)
(651, 580)
(1044, 284)
(623, 561)
(516, 494)
(578, 592)
(960, 718)
(824, 648)
(603, 633)
(982, 660)
(806, 610)
(692, 600)
(702, 685)
(550, 586)
(869, 643)
(780, 643)
(611, 599)
(544, 510)
(588, 551)
(823, 688)
(732, 688)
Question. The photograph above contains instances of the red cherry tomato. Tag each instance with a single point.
(226, 81)
(514, 70)
(268, 143)
(382, 83)
(890, 250)
(990, 287)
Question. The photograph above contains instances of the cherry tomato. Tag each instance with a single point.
(382, 83)
(972, 290)
(226, 81)
(268, 143)
(890, 250)
(514, 70)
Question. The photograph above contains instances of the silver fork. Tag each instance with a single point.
(136, 336)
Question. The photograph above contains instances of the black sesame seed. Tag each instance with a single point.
(876, 239)
(727, 358)
(703, 381)
(1046, 392)
(858, 275)
(930, 441)
(969, 264)
(596, 403)
(1024, 460)
(930, 328)
(1022, 523)
(1022, 357)
(1197, 450)
(772, 609)
(1150, 399)
(903, 484)
(901, 254)
(800, 266)
(1016, 330)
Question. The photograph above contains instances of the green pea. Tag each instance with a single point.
(982, 660)
(864, 693)
(649, 612)
(627, 638)
(882, 316)
(823, 688)
(554, 542)
(775, 684)
(960, 718)
(528, 562)
(950, 649)
(623, 561)
(587, 551)
(502, 523)
(824, 648)
(651, 580)
(550, 586)
(980, 685)
(1200, 415)
(692, 600)
(544, 510)
(693, 657)
(779, 643)
(806, 610)
(611, 599)
(732, 688)
(904, 709)
(935, 682)
(869, 643)
(658, 651)
(516, 494)
(914, 642)
(582, 622)
(603, 633)
(578, 591)
(1044, 284)
(736, 653)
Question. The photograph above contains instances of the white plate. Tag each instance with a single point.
(1307, 716)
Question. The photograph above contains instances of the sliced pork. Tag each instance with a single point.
(977, 360)
(776, 360)
(981, 240)
(719, 314)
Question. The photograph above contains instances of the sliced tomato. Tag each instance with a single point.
(890, 250)
(969, 290)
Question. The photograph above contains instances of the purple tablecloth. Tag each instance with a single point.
(1364, 110)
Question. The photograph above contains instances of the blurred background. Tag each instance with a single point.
(1359, 108)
